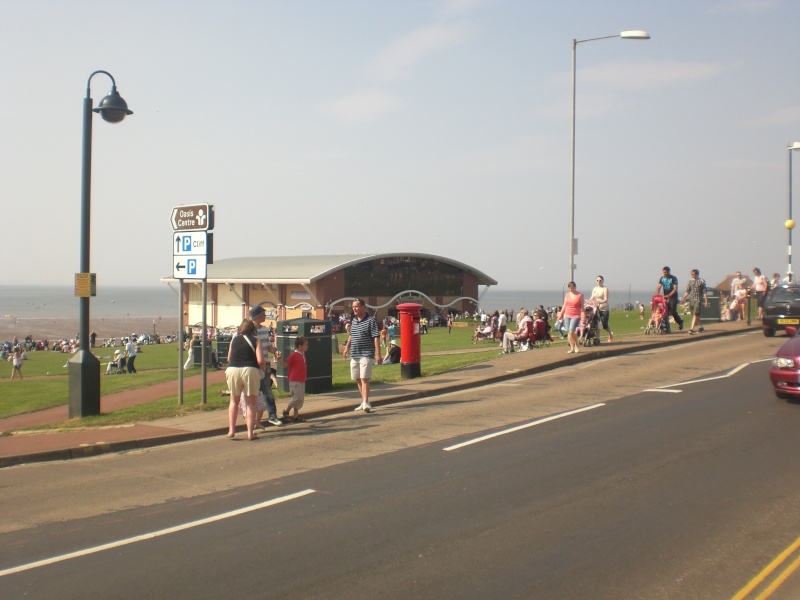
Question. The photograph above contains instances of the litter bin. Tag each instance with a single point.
(319, 356)
(223, 345)
(714, 311)
(197, 359)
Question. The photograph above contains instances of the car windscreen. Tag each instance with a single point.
(783, 295)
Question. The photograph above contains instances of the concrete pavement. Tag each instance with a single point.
(27, 447)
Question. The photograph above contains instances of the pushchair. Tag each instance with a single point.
(658, 316)
(589, 336)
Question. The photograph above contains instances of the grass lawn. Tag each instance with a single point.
(46, 381)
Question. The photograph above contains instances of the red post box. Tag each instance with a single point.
(409, 340)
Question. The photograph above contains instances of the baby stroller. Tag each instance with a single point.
(658, 316)
(589, 335)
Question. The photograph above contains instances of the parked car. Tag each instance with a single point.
(781, 309)
(785, 369)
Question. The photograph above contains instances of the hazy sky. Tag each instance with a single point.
(439, 126)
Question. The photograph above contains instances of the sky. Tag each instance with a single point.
(436, 126)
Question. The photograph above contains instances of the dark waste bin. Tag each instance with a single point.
(319, 355)
(197, 359)
(223, 345)
(713, 312)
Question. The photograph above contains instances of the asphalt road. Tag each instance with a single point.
(668, 474)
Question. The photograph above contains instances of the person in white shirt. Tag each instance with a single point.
(502, 324)
(736, 281)
(509, 337)
(130, 348)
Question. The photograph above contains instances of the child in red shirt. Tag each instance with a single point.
(296, 364)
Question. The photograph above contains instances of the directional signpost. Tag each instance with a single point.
(192, 252)
(194, 217)
(192, 244)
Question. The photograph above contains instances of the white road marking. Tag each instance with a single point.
(723, 376)
(154, 534)
(731, 373)
(594, 363)
(525, 426)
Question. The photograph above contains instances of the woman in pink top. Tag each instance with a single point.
(571, 315)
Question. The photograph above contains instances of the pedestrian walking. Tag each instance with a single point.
(570, 315)
(130, 348)
(600, 297)
(244, 373)
(695, 290)
(258, 315)
(668, 284)
(760, 287)
(364, 349)
(16, 364)
(295, 363)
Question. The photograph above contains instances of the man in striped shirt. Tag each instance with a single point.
(363, 345)
(258, 315)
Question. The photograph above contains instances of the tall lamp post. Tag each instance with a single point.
(790, 222)
(573, 243)
(84, 368)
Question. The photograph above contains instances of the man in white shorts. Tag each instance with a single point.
(363, 345)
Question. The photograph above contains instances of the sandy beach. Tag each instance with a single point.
(67, 328)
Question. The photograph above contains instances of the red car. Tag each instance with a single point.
(785, 369)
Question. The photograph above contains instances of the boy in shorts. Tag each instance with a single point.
(296, 364)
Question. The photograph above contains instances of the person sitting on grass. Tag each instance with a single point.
(392, 354)
(296, 365)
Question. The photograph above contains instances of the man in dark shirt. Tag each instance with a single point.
(669, 284)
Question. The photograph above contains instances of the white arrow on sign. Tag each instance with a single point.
(197, 217)
(190, 267)
(190, 242)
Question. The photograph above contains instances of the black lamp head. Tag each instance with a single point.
(113, 108)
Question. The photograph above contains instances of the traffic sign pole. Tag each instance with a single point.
(192, 252)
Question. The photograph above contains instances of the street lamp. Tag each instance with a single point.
(790, 222)
(573, 243)
(84, 368)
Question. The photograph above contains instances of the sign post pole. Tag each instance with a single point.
(192, 252)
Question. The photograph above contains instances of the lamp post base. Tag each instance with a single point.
(84, 385)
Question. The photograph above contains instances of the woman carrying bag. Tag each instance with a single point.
(246, 367)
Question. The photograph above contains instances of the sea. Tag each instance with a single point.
(51, 302)
(497, 299)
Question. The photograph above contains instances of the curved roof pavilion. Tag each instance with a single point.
(307, 269)
(319, 285)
